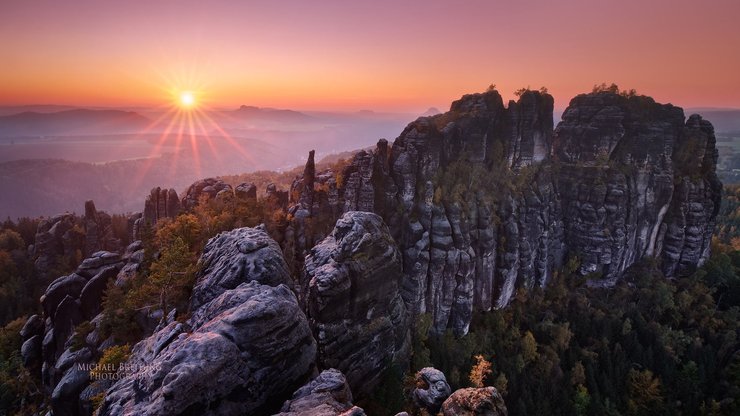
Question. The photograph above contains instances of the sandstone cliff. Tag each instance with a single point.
(485, 198)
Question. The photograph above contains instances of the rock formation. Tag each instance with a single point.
(485, 401)
(326, 395)
(209, 188)
(68, 302)
(431, 389)
(354, 304)
(246, 347)
(276, 198)
(485, 199)
(98, 231)
(235, 257)
(246, 191)
(56, 239)
(161, 203)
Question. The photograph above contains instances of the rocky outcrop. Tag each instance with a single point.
(431, 389)
(485, 199)
(276, 198)
(235, 257)
(531, 124)
(246, 192)
(638, 181)
(209, 188)
(160, 204)
(485, 401)
(686, 233)
(244, 352)
(246, 347)
(326, 395)
(133, 257)
(98, 231)
(354, 303)
(67, 303)
(56, 239)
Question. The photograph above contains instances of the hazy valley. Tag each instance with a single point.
(52, 160)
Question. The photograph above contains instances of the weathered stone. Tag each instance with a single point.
(33, 326)
(235, 257)
(59, 289)
(56, 238)
(326, 395)
(65, 394)
(246, 347)
(355, 308)
(243, 360)
(246, 191)
(206, 189)
(92, 294)
(486, 401)
(431, 389)
(31, 351)
(620, 179)
(98, 231)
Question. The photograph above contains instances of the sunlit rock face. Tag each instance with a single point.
(486, 198)
(246, 347)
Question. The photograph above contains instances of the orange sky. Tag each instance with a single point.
(382, 55)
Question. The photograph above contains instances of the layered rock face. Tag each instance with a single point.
(68, 302)
(354, 304)
(326, 395)
(209, 188)
(161, 203)
(485, 199)
(246, 347)
(235, 257)
(98, 231)
(55, 238)
(636, 181)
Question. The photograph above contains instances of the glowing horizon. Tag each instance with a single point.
(383, 56)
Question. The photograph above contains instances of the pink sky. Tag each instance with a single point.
(383, 55)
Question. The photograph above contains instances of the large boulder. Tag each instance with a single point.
(431, 389)
(235, 257)
(246, 347)
(250, 350)
(205, 189)
(326, 395)
(485, 401)
(354, 303)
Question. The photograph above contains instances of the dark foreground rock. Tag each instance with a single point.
(245, 349)
(356, 312)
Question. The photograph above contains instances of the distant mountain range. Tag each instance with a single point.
(72, 122)
(271, 115)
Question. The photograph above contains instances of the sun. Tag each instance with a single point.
(187, 100)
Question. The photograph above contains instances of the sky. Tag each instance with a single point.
(351, 55)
